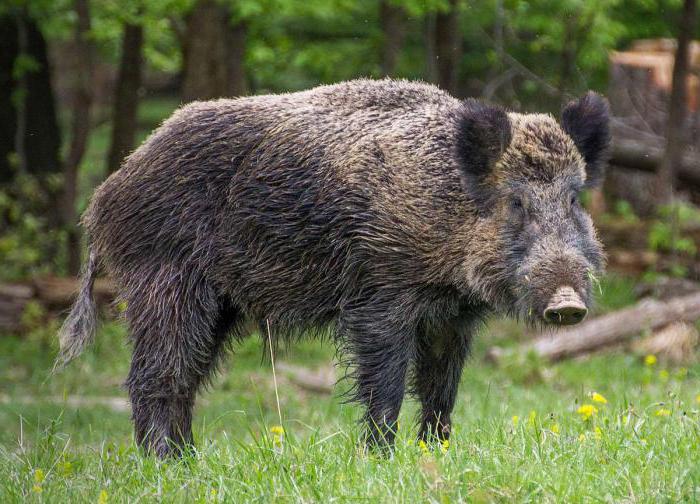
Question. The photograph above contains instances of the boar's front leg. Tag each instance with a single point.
(440, 354)
(381, 351)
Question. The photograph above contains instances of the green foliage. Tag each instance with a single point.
(29, 241)
(624, 211)
(666, 232)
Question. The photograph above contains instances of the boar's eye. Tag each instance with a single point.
(573, 200)
(516, 203)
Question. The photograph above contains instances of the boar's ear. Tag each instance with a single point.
(587, 122)
(483, 134)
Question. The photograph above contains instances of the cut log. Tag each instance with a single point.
(59, 292)
(55, 294)
(675, 343)
(611, 329)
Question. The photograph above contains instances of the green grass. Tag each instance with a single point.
(642, 445)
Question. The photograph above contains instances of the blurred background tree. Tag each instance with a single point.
(82, 82)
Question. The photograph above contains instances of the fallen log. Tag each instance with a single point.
(631, 261)
(318, 382)
(53, 294)
(610, 329)
(674, 343)
(644, 157)
(13, 300)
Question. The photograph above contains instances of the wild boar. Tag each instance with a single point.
(388, 212)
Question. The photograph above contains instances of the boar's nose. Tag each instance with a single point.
(565, 307)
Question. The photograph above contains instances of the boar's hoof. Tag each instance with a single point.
(565, 307)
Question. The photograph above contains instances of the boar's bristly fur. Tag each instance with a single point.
(356, 208)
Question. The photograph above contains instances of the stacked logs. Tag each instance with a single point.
(53, 294)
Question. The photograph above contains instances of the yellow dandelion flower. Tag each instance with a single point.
(697, 398)
(444, 445)
(277, 430)
(582, 437)
(212, 492)
(650, 360)
(555, 428)
(532, 417)
(39, 478)
(587, 411)
(662, 412)
(66, 468)
(598, 398)
(598, 433)
(515, 418)
(663, 375)
(103, 497)
(423, 446)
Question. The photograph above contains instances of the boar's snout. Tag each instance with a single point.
(565, 307)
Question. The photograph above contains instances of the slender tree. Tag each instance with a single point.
(214, 50)
(677, 111)
(126, 98)
(448, 47)
(80, 128)
(29, 131)
(429, 31)
(392, 19)
(237, 81)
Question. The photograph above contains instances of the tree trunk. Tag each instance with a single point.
(214, 54)
(392, 20)
(20, 95)
(40, 135)
(43, 136)
(237, 79)
(448, 48)
(126, 98)
(666, 173)
(80, 130)
(431, 71)
(8, 115)
(568, 57)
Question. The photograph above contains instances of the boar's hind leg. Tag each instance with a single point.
(178, 329)
(380, 355)
(439, 359)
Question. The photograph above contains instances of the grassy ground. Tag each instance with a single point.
(518, 433)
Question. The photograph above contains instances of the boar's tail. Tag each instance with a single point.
(78, 330)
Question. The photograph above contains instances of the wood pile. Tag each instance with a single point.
(639, 93)
(53, 294)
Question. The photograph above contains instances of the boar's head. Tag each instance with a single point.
(525, 174)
